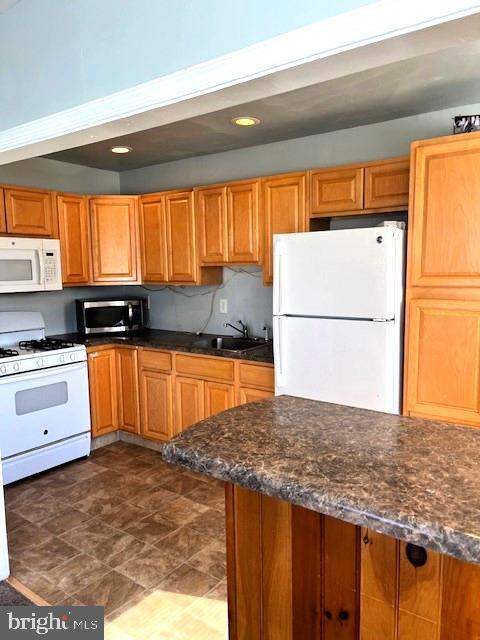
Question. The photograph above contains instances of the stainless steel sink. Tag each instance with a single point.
(230, 344)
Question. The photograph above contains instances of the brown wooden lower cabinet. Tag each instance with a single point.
(102, 376)
(294, 574)
(156, 394)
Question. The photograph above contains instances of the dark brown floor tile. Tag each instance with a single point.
(99, 503)
(96, 454)
(14, 521)
(14, 499)
(211, 559)
(152, 499)
(132, 489)
(106, 480)
(21, 489)
(108, 545)
(149, 567)
(110, 460)
(180, 483)
(188, 581)
(38, 508)
(211, 523)
(48, 555)
(149, 454)
(67, 519)
(185, 542)
(151, 529)
(161, 473)
(124, 516)
(181, 511)
(134, 467)
(219, 592)
(74, 574)
(26, 536)
(124, 447)
(110, 591)
(37, 582)
(208, 494)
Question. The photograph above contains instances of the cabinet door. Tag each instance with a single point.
(218, 397)
(74, 238)
(443, 360)
(445, 234)
(181, 246)
(114, 238)
(243, 222)
(386, 185)
(156, 404)
(211, 212)
(284, 207)
(103, 391)
(128, 400)
(153, 239)
(336, 191)
(251, 395)
(3, 219)
(29, 212)
(189, 404)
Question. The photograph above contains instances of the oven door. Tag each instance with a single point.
(42, 407)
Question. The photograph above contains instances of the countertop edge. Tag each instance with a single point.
(444, 540)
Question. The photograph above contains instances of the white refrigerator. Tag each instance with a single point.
(338, 316)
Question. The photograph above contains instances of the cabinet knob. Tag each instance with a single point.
(343, 615)
(417, 556)
(328, 614)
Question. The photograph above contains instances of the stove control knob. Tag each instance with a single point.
(62, 358)
(16, 366)
(3, 369)
(40, 362)
(72, 357)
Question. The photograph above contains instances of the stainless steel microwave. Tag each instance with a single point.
(100, 315)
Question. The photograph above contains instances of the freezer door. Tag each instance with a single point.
(350, 362)
(355, 273)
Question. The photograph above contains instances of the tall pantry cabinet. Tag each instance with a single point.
(442, 364)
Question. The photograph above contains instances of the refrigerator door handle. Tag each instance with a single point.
(277, 282)
(280, 372)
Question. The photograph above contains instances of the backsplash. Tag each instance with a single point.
(197, 308)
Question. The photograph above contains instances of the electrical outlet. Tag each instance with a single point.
(223, 305)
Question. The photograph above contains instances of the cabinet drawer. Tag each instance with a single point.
(155, 359)
(204, 367)
(255, 375)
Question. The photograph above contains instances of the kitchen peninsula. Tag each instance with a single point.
(344, 523)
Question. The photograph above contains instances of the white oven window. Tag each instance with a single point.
(39, 398)
(16, 270)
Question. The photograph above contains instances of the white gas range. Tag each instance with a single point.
(44, 401)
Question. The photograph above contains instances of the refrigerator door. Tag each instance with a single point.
(355, 273)
(349, 362)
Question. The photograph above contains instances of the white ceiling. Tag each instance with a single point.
(419, 84)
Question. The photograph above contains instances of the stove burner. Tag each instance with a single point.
(46, 344)
(7, 353)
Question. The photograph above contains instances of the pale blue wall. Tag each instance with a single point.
(56, 54)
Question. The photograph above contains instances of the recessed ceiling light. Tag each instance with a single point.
(245, 121)
(120, 149)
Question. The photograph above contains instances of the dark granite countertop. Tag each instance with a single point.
(172, 340)
(416, 480)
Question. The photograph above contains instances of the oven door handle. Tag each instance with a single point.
(40, 374)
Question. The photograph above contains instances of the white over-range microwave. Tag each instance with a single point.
(29, 264)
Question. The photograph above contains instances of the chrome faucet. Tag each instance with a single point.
(243, 330)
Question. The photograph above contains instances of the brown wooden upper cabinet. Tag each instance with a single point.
(228, 223)
(30, 212)
(169, 245)
(3, 219)
(445, 226)
(285, 211)
(113, 221)
(357, 189)
(181, 245)
(153, 238)
(74, 231)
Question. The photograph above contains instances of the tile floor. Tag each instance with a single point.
(125, 530)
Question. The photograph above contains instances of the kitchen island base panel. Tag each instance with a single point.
(295, 574)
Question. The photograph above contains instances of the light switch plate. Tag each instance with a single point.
(223, 305)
